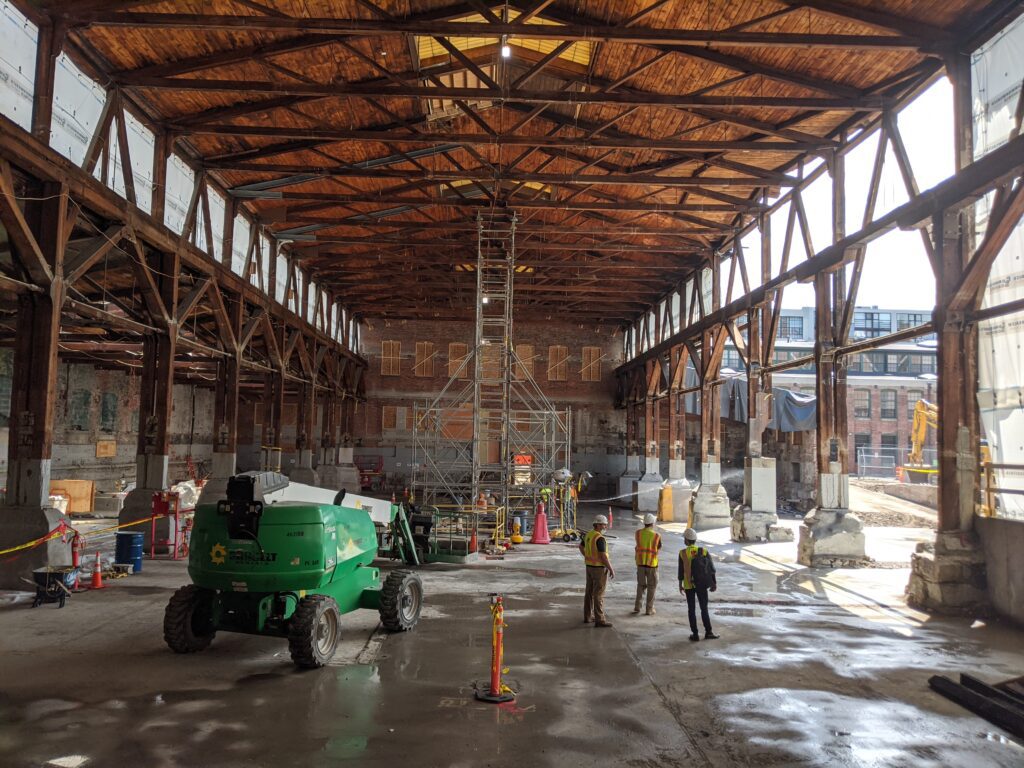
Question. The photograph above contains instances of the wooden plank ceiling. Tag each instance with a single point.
(630, 136)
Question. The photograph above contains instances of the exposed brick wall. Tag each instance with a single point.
(598, 429)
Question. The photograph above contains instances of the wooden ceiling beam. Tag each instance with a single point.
(865, 103)
(486, 175)
(396, 27)
(389, 134)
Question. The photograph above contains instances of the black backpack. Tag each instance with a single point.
(702, 572)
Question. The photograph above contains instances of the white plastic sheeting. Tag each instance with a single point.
(997, 71)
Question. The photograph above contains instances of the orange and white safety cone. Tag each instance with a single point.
(97, 574)
(611, 518)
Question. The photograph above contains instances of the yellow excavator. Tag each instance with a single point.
(927, 415)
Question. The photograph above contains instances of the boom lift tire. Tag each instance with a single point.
(313, 631)
(401, 601)
(187, 620)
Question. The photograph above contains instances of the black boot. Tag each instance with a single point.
(709, 635)
(694, 637)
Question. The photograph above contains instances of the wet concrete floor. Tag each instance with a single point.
(813, 668)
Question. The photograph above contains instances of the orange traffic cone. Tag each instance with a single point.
(97, 574)
(473, 545)
(611, 518)
(392, 497)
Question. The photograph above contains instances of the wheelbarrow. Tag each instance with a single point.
(53, 584)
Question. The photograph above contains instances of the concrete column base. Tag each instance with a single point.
(20, 525)
(222, 468)
(648, 490)
(151, 476)
(303, 472)
(627, 481)
(756, 519)
(831, 538)
(681, 493)
(949, 575)
(711, 507)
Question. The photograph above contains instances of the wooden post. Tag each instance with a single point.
(225, 449)
(156, 395)
(34, 381)
(273, 408)
(824, 363)
(958, 431)
(48, 47)
(162, 144)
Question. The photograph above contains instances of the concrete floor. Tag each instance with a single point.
(813, 668)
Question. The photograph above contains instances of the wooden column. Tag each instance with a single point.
(273, 408)
(48, 47)
(754, 363)
(156, 392)
(710, 402)
(824, 363)
(163, 142)
(34, 380)
(841, 422)
(958, 432)
(226, 394)
(631, 429)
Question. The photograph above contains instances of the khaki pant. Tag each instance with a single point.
(646, 579)
(593, 600)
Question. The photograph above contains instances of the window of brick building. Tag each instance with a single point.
(591, 370)
(891, 448)
(388, 417)
(524, 362)
(888, 403)
(456, 356)
(424, 359)
(558, 363)
(390, 358)
(791, 328)
(913, 395)
(862, 403)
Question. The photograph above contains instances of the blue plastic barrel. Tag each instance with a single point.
(128, 549)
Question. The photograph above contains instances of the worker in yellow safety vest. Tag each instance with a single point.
(594, 549)
(696, 578)
(648, 544)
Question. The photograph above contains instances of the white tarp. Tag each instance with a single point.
(997, 70)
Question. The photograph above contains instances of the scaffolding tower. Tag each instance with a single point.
(491, 428)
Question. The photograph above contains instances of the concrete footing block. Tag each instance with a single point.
(749, 525)
(681, 493)
(20, 525)
(831, 538)
(648, 489)
(711, 507)
(627, 482)
(949, 576)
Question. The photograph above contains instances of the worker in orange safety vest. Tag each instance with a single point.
(594, 549)
(648, 544)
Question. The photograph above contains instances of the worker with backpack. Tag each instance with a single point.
(696, 579)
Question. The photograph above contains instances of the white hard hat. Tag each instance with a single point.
(690, 535)
(600, 520)
(650, 519)
(561, 475)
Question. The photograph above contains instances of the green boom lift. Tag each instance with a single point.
(264, 561)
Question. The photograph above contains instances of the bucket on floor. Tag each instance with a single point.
(128, 549)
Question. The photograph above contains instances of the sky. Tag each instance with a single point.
(897, 273)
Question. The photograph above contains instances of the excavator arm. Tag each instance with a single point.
(925, 415)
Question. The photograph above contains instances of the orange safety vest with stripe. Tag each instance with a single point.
(647, 541)
(590, 553)
(689, 553)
